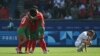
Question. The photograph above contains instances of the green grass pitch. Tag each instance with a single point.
(53, 51)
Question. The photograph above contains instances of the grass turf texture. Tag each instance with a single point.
(53, 51)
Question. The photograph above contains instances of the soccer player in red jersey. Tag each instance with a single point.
(23, 31)
(37, 34)
(31, 30)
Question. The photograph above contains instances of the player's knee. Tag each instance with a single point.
(77, 44)
(41, 40)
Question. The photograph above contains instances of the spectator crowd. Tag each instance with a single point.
(56, 9)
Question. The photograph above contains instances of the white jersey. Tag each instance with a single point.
(81, 37)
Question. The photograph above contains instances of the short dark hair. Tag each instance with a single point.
(33, 12)
(92, 31)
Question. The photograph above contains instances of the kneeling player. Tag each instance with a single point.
(84, 40)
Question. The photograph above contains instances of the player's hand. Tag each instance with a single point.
(87, 42)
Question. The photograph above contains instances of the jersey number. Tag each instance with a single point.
(23, 21)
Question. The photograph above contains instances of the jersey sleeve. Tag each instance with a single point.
(23, 22)
(40, 19)
(39, 16)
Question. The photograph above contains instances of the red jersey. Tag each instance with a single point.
(39, 22)
(40, 19)
(24, 22)
(33, 26)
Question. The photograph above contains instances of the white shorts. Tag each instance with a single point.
(78, 43)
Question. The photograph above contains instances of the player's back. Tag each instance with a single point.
(82, 36)
(23, 21)
(41, 18)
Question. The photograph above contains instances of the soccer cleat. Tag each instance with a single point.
(80, 50)
(27, 52)
(45, 52)
(18, 52)
(31, 52)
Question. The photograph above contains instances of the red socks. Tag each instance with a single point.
(33, 45)
(27, 46)
(19, 47)
(43, 45)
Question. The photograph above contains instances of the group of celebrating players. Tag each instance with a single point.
(31, 31)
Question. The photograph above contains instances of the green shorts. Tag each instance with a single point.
(40, 31)
(37, 34)
(23, 31)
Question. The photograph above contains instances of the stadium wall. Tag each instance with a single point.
(58, 32)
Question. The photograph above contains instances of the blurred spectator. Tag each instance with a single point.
(10, 26)
(91, 9)
(68, 6)
(84, 2)
(74, 12)
(5, 2)
(17, 14)
(47, 14)
(66, 9)
(49, 4)
(28, 4)
(1, 2)
(82, 11)
(98, 9)
(36, 2)
(58, 8)
(68, 17)
(4, 12)
(42, 5)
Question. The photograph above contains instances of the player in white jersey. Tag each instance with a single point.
(84, 40)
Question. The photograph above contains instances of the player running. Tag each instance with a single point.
(84, 40)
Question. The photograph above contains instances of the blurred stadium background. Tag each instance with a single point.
(65, 20)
